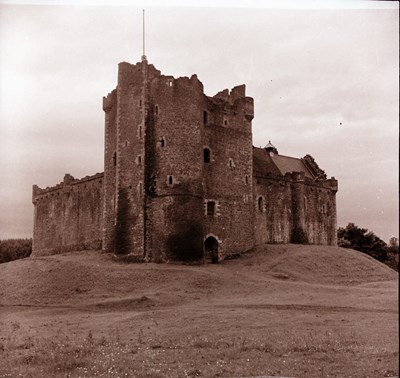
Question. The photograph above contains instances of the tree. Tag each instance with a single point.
(362, 240)
(14, 249)
(394, 243)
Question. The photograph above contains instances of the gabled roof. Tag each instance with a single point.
(264, 163)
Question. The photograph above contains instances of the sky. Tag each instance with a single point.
(325, 82)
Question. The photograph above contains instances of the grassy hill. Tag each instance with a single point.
(292, 310)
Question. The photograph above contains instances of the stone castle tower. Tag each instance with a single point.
(182, 180)
(177, 166)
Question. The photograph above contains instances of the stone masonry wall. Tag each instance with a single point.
(174, 190)
(295, 209)
(320, 212)
(228, 175)
(272, 209)
(68, 217)
(110, 171)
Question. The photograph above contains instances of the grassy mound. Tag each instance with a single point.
(92, 276)
(321, 264)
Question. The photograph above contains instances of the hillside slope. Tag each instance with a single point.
(71, 277)
(281, 310)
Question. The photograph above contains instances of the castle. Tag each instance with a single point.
(182, 180)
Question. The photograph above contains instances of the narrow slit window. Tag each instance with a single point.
(156, 109)
(115, 158)
(260, 204)
(207, 155)
(162, 142)
(170, 180)
(210, 208)
(140, 131)
(205, 117)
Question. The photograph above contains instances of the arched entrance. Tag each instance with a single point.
(211, 250)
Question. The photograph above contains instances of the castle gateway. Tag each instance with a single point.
(182, 180)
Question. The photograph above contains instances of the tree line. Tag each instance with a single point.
(14, 249)
(363, 240)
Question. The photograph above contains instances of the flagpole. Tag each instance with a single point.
(143, 32)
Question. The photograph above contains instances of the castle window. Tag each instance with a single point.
(140, 188)
(246, 179)
(260, 204)
(170, 180)
(210, 208)
(231, 163)
(169, 83)
(140, 102)
(207, 155)
(225, 122)
(126, 143)
(140, 131)
(156, 109)
(162, 142)
(139, 159)
(205, 117)
(115, 158)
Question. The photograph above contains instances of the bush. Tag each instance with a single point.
(366, 241)
(14, 249)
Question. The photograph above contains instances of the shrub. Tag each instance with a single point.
(14, 249)
(366, 241)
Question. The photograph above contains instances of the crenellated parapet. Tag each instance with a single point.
(109, 101)
(68, 182)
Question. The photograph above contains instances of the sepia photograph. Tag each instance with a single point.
(199, 189)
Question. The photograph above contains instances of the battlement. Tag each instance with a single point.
(293, 177)
(133, 73)
(68, 181)
(231, 96)
(109, 100)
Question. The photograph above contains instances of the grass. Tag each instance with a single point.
(314, 354)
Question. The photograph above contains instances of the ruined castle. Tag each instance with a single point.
(182, 180)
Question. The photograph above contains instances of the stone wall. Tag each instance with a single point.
(174, 190)
(68, 216)
(293, 208)
(320, 211)
(228, 174)
(272, 209)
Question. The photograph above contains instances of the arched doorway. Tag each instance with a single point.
(211, 250)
